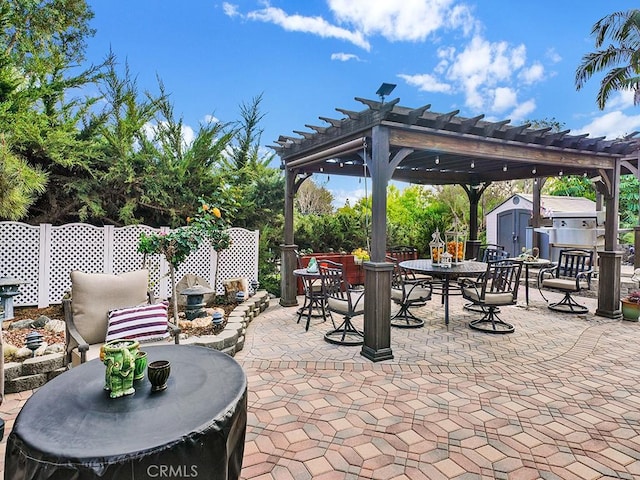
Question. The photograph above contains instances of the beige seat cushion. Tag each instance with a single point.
(503, 298)
(568, 285)
(94, 294)
(418, 293)
(342, 306)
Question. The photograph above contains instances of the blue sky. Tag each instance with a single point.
(503, 58)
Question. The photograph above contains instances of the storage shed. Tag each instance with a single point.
(509, 223)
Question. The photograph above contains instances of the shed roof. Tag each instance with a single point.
(553, 203)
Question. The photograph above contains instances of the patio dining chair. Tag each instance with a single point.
(104, 306)
(499, 287)
(343, 300)
(570, 275)
(490, 253)
(408, 291)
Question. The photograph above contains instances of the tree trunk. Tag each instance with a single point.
(174, 294)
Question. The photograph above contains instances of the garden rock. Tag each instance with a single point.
(55, 326)
(41, 321)
(26, 323)
(23, 353)
(55, 348)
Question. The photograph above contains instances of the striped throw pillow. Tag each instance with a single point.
(144, 323)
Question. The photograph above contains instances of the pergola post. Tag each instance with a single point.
(288, 261)
(610, 260)
(377, 272)
(474, 193)
(536, 218)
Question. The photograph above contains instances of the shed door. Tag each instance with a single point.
(512, 230)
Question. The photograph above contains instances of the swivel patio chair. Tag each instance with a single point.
(408, 291)
(343, 300)
(490, 253)
(499, 287)
(570, 275)
(400, 253)
(103, 306)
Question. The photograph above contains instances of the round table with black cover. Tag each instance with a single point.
(71, 429)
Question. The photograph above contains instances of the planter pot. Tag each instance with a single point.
(630, 311)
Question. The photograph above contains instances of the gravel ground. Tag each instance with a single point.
(54, 312)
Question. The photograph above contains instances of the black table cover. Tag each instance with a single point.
(70, 428)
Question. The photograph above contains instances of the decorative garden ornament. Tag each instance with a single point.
(119, 356)
(436, 247)
(313, 265)
(456, 240)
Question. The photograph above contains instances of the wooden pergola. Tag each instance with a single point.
(386, 141)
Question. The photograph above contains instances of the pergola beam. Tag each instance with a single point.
(457, 144)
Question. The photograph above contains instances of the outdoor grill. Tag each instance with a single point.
(573, 230)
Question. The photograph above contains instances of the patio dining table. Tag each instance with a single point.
(446, 274)
(314, 298)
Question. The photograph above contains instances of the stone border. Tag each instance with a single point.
(231, 339)
(35, 372)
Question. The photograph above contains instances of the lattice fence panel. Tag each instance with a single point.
(74, 246)
(241, 258)
(126, 257)
(20, 254)
(45, 263)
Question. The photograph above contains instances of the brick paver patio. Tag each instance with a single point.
(557, 399)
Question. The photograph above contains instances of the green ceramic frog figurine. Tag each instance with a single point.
(119, 356)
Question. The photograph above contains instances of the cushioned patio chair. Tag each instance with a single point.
(570, 275)
(343, 300)
(499, 287)
(408, 291)
(490, 253)
(104, 306)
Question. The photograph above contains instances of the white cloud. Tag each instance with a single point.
(620, 100)
(504, 98)
(188, 134)
(553, 55)
(314, 25)
(523, 110)
(409, 20)
(532, 74)
(612, 125)
(344, 57)
(426, 83)
(211, 119)
(484, 71)
(340, 196)
(230, 9)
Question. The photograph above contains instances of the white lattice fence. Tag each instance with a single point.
(21, 256)
(44, 255)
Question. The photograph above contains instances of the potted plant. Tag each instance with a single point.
(631, 306)
(360, 255)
